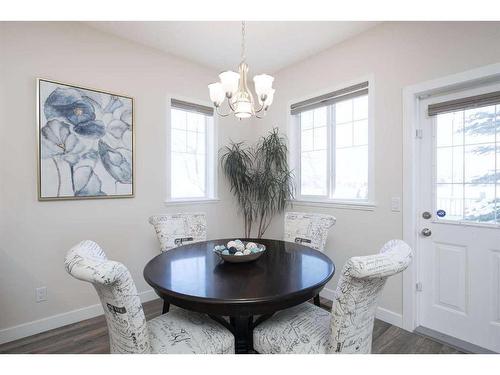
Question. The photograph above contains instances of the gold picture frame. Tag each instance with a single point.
(87, 134)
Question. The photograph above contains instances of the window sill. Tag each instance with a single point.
(347, 205)
(185, 202)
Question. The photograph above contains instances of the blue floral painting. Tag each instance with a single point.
(85, 143)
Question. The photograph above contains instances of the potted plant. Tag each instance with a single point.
(260, 178)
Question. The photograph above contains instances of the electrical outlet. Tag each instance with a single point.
(41, 294)
(396, 204)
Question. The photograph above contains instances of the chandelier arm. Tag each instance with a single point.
(261, 117)
(261, 108)
(221, 114)
(230, 105)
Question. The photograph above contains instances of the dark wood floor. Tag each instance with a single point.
(91, 336)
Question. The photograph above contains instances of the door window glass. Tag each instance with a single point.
(467, 183)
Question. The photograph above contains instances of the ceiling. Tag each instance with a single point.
(271, 45)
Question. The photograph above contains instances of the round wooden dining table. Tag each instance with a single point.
(193, 277)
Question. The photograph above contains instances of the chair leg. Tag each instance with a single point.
(316, 301)
(166, 307)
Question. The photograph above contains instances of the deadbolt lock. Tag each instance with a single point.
(426, 215)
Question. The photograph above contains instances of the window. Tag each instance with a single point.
(467, 183)
(313, 152)
(332, 145)
(192, 145)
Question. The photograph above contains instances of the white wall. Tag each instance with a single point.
(397, 55)
(36, 235)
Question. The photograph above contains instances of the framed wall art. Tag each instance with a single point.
(85, 142)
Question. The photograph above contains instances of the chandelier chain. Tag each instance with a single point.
(243, 56)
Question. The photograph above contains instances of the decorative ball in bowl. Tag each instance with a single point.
(239, 251)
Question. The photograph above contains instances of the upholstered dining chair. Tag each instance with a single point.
(308, 229)
(348, 328)
(174, 230)
(180, 331)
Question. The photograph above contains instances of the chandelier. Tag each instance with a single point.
(234, 87)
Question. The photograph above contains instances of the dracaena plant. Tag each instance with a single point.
(260, 179)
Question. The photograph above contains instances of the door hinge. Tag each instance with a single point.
(419, 133)
(418, 287)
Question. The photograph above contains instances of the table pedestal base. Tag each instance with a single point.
(243, 333)
(242, 329)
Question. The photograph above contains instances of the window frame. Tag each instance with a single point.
(211, 147)
(294, 131)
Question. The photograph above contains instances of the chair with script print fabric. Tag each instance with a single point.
(348, 328)
(179, 331)
(174, 230)
(308, 229)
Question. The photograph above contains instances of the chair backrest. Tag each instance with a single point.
(308, 229)
(358, 290)
(125, 318)
(174, 230)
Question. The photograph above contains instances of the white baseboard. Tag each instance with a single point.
(385, 315)
(390, 317)
(59, 320)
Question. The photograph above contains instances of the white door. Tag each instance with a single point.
(459, 244)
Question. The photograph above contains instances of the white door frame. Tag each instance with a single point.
(412, 95)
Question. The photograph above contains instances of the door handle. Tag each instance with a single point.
(426, 232)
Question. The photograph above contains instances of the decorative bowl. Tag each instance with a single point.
(256, 250)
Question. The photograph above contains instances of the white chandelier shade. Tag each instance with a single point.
(263, 84)
(229, 81)
(234, 87)
(269, 98)
(217, 93)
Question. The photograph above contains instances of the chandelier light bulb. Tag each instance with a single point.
(217, 93)
(229, 80)
(268, 98)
